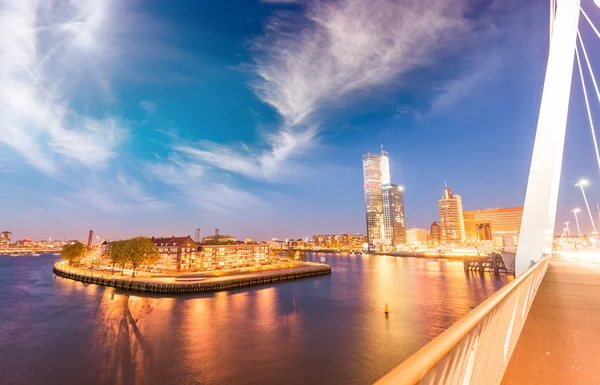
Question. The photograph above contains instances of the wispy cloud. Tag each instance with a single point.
(46, 48)
(479, 71)
(120, 196)
(148, 107)
(319, 56)
(345, 47)
(284, 147)
(199, 189)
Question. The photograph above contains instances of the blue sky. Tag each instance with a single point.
(156, 118)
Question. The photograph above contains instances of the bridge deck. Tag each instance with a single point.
(560, 342)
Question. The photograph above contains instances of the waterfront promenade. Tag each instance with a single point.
(193, 282)
(560, 342)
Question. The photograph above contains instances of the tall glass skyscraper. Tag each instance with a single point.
(394, 224)
(384, 202)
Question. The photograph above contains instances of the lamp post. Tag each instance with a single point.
(580, 184)
(575, 211)
(568, 230)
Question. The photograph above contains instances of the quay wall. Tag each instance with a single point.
(199, 287)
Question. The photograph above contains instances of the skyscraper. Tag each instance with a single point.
(384, 201)
(436, 233)
(452, 222)
(394, 224)
(376, 172)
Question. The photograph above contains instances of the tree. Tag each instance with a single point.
(73, 252)
(141, 251)
(119, 254)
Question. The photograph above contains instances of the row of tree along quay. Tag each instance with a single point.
(134, 252)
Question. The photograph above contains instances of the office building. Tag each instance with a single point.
(451, 218)
(436, 233)
(5, 237)
(338, 241)
(416, 236)
(384, 201)
(376, 172)
(394, 225)
(499, 225)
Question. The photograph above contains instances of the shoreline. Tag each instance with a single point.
(171, 285)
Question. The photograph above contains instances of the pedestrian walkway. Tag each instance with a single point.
(560, 342)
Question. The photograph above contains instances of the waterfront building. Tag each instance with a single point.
(499, 225)
(394, 224)
(376, 172)
(436, 233)
(5, 237)
(451, 218)
(176, 254)
(384, 201)
(338, 241)
(416, 236)
(228, 256)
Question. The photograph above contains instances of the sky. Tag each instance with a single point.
(156, 118)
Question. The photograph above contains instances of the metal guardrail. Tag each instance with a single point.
(477, 348)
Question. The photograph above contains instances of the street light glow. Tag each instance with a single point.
(582, 182)
(575, 210)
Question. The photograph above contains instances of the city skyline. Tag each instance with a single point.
(218, 123)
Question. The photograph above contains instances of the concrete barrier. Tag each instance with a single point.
(309, 270)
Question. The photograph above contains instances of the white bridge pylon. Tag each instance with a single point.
(539, 211)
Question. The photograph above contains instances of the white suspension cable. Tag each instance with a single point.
(589, 21)
(587, 104)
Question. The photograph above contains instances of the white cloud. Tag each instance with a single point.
(283, 148)
(198, 188)
(121, 196)
(348, 45)
(51, 54)
(318, 58)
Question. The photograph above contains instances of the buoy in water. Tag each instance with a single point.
(387, 310)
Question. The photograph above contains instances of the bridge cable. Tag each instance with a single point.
(595, 83)
(587, 18)
(585, 94)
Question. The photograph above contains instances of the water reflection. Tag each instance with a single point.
(327, 329)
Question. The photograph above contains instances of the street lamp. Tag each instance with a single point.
(580, 184)
(568, 230)
(575, 211)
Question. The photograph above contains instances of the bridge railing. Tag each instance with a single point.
(477, 348)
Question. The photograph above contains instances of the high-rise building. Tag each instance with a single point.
(501, 225)
(376, 172)
(5, 238)
(451, 218)
(394, 225)
(436, 233)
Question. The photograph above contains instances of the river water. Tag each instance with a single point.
(320, 330)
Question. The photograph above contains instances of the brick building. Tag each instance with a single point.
(176, 254)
